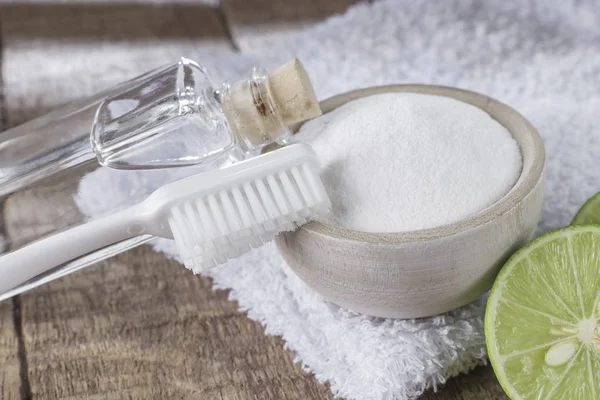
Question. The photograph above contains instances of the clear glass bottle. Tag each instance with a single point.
(173, 117)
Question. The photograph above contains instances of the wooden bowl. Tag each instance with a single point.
(430, 271)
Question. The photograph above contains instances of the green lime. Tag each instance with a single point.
(543, 316)
(589, 213)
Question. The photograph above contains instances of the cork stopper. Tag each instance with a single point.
(293, 94)
(260, 109)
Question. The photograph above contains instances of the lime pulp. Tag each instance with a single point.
(542, 320)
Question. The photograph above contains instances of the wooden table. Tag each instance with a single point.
(140, 326)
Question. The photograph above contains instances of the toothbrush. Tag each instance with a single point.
(212, 216)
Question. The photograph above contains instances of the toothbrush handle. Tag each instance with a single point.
(19, 266)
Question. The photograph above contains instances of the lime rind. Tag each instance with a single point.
(497, 360)
(589, 213)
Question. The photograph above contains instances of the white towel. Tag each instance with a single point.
(541, 57)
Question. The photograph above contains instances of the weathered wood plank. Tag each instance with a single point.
(56, 52)
(144, 327)
(10, 380)
(257, 23)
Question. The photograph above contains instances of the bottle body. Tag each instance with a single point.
(97, 156)
(102, 154)
(168, 119)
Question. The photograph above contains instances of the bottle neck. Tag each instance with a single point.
(251, 111)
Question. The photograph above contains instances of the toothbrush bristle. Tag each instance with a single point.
(210, 230)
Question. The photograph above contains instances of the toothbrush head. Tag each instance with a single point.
(222, 214)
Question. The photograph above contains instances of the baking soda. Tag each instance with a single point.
(400, 162)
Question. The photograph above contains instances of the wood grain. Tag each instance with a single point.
(10, 380)
(140, 326)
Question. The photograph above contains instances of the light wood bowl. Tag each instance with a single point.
(430, 271)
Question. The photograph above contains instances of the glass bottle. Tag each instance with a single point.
(172, 117)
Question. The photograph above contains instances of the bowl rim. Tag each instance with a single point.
(532, 173)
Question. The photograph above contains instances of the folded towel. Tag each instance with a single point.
(541, 57)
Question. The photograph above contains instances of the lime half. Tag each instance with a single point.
(589, 213)
(543, 316)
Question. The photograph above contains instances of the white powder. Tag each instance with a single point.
(403, 161)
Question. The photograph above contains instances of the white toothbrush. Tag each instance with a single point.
(212, 216)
